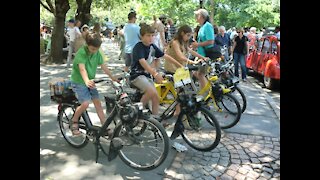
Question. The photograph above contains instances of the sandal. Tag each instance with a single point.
(74, 128)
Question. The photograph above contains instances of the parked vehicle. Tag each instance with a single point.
(265, 60)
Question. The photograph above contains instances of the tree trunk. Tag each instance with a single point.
(212, 13)
(83, 11)
(57, 41)
(56, 54)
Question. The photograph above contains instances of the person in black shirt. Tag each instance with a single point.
(144, 63)
(240, 50)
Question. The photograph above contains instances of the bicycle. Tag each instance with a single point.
(226, 77)
(139, 140)
(194, 120)
(219, 100)
(226, 107)
(195, 123)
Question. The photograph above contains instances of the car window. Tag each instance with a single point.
(260, 45)
(266, 46)
(274, 47)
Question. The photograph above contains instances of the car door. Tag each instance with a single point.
(260, 55)
(265, 55)
(256, 56)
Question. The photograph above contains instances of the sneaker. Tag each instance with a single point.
(179, 147)
(244, 80)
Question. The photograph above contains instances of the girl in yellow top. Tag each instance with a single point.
(178, 49)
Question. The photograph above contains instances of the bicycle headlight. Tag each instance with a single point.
(128, 114)
(199, 98)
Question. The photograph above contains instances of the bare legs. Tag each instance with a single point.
(80, 109)
(151, 94)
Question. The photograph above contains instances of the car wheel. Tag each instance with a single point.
(268, 82)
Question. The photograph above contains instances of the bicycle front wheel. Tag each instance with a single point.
(145, 145)
(239, 95)
(227, 110)
(201, 130)
(64, 118)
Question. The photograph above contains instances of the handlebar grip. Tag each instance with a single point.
(192, 68)
(98, 80)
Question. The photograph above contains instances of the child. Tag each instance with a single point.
(143, 66)
(84, 70)
(179, 49)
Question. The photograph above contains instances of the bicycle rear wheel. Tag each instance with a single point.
(239, 95)
(201, 131)
(143, 149)
(227, 110)
(64, 118)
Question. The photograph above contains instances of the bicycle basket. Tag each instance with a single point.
(61, 91)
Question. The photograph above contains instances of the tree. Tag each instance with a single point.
(83, 11)
(59, 11)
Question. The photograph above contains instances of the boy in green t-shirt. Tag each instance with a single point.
(84, 70)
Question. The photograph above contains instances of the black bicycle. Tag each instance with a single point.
(140, 141)
(196, 124)
(227, 77)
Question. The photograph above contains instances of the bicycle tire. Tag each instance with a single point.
(241, 99)
(189, 133)
(64, 119)
(224, 111)
(133, 157)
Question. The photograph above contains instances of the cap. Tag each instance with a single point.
(131, 15)
(203, 12)
(84, 26)
(71, 21)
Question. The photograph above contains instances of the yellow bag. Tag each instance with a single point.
(181, 75)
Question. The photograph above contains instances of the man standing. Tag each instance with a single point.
(72, 36)
(277, 32)
(131, 37)
(224, 39)
(172, 30)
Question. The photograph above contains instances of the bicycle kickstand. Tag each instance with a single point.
(96, 145)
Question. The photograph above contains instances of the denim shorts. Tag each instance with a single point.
(83, 93)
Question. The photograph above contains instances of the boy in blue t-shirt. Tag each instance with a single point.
(144, 65)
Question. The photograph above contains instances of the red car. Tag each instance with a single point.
(265, 60)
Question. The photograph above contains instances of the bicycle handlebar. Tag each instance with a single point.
(116, 85)
(192, 67)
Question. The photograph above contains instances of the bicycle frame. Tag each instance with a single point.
(95, 132)
(163, 89)
(168, 85)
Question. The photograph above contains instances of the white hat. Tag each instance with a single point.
(84, 26)
(203, 12)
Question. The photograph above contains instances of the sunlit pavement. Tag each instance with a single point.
(249, 150)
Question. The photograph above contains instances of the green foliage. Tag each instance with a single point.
(46, 16)
(230, 13)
